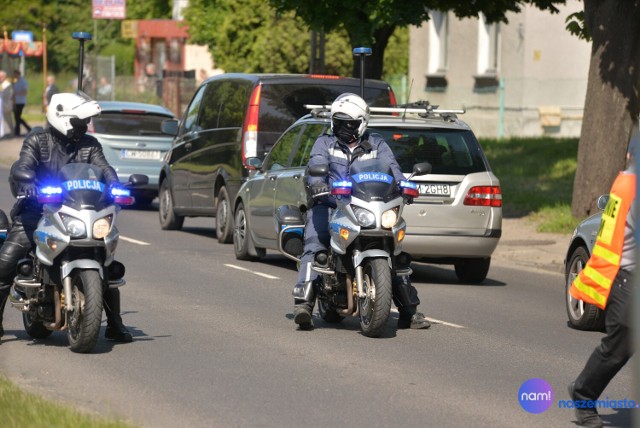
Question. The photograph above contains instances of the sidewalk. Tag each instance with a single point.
(520, 244)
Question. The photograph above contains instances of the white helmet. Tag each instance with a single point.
(70, 113)
(349, 117)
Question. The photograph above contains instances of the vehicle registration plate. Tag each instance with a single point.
(141, 154)
(435, 189)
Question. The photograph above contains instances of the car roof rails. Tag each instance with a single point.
(421, 108)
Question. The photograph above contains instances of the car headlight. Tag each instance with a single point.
(75, 227)
(101, 227)
(365, 217)
(389, 218)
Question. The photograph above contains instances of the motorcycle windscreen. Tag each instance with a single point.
(373, 181)
(83, 186)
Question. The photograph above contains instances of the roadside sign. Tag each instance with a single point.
(22, 36)
(109, 9)
(129, 29)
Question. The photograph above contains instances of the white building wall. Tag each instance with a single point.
(541, 77)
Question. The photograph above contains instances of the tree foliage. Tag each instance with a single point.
(371, 23)
(62, 18)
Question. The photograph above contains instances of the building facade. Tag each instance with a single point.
(524, 78)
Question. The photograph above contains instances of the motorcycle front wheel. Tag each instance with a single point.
(84, 320)
(375, 307)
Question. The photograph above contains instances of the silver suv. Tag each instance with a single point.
(456, 220)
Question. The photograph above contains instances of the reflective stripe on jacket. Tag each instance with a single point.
(593, 283)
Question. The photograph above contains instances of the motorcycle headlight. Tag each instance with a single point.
(389, 218)
(75, 227)
(101, 227)
(365, 217)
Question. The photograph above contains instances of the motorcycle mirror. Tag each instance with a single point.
(318, 170)
(138, 180)
(421, 168)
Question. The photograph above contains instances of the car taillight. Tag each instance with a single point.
(392, 98)
(250, 129)
(486, 196)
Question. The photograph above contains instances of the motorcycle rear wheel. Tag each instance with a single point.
(375, 308)
(84, 320)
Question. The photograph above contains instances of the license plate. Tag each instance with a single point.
(435, 189)
(141, 154)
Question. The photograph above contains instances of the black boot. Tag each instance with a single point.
(304, 298)
(115, 329)
(414, 320)
(4, 294)
(586, 417)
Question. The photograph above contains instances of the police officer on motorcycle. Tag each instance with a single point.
(45, 151)
(348, 143)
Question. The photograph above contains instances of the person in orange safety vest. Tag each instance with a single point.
(606, 281)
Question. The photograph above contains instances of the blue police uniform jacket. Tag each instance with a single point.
(329, 150)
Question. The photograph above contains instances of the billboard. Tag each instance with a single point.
(109, 9)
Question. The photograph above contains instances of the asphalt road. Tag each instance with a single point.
(214, 345)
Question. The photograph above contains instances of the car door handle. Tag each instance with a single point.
(188, 146)
(296, 176)
(273, 177)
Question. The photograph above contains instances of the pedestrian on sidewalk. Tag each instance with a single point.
(20, 88)
(6, 106)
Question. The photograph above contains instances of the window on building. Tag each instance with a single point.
(488, 55)
(438, 50)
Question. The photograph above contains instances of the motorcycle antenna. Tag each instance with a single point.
(362, 53)
(81, 37)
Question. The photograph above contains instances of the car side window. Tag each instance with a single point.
(189, 122)
(224, 104)
(279, 155)
(307, 139)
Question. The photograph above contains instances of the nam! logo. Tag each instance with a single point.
(535, 395)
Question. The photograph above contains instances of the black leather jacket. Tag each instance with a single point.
(46, 151)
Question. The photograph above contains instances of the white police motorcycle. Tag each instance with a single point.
(367, 230)
(59, 286)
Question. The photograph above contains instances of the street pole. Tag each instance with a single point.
(81, 37)
(362, 53)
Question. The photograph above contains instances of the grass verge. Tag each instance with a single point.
(21, 409)
(536, 176)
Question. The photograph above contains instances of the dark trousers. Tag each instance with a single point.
(615, 349)
(17, 115)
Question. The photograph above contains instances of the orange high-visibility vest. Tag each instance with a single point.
(593, 283)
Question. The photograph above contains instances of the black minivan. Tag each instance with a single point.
(233, 117)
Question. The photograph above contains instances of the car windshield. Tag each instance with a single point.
(450, 152)
(124, 123)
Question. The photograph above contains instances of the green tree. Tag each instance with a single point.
(62, 18)
(371, 23)
(248, 36)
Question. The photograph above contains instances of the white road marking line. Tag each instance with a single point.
(435, 321)
(133, 241)
(250, 271)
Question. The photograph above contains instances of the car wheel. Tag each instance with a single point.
(169, 220)
(242, 237)
(582, 316)
(472, 271)
(224, 218)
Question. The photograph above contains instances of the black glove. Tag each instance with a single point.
(317, 189)
(28, 190)
(408, 200)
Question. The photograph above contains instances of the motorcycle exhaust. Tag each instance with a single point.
(350, 305)
(58, 316)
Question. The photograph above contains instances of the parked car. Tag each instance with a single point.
(456, 220)
(133, 143)
(233, 117)
(583, 316)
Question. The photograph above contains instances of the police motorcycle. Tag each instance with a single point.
(366, 230)
(59, 285)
